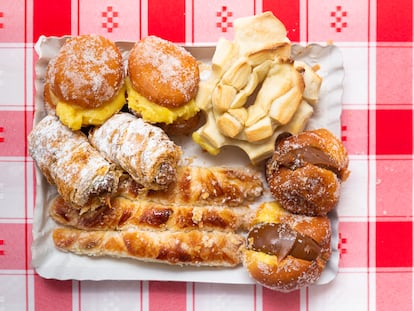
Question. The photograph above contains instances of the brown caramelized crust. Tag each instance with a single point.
(163, 72)
(284, 265)
(199, 248)
(124, 214)
(88, 71)
(306, 171)
(183, 127)
(202, 186)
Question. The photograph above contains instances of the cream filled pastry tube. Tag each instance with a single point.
(141, 149)
(67, 159)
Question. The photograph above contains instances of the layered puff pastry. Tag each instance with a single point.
(142, 214)
(197, 185)
(143, 150)
(199, 220)
(83, 177)
(195, 247)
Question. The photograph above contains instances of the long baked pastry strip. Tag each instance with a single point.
(141, 149)
(197, 185)
(81, 174)
(125, 214)
(200, 248)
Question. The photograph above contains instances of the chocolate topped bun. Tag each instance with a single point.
(306, 171)
(85, 81)
(162, 83)
(285, 251)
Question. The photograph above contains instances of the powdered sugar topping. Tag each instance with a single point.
(141, 149)
(68, 160)
(87, 70)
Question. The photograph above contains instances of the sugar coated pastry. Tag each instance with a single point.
(143, 150)
(195, 247)
(286, 251)
(85, 81)
(306, 171)
(66, 158)
(162, 82)
(198, 185)
(142, 213)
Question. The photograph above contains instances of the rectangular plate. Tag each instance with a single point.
(51, 263)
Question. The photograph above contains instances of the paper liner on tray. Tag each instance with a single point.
(52, 263)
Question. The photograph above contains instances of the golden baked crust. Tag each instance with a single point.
(124, 214)
(306, 171)
(181, 126)
(163, 72)
(88, 71)
(196, 185)
(288, 273)
(199, 248)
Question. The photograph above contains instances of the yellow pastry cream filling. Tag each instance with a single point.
(154, 113)
(198, 139)
(74, 116)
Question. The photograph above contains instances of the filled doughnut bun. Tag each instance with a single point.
(285, 251)
(85, 81)
(162, 83)
(306, 171)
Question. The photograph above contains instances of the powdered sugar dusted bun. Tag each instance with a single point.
(81, 175)
(306, 171)
(285, 251)
(87, 71)
(141, 149)
(163, 72)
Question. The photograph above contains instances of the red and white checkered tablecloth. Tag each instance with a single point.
(376, 221)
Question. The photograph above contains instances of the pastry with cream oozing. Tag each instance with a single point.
(162, 82)
(85, 81)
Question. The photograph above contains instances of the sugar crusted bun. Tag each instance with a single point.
(306, 171)
(285, 251)
(87, 71)
(163, 72)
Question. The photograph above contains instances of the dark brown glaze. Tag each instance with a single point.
(281, 240)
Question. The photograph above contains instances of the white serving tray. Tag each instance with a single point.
(52, 263)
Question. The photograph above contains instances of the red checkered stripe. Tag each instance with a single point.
(376, 128)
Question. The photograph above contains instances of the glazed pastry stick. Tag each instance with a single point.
(141, 149)
(197, 185)
(125, 214)
(82, 176)
(199, 248)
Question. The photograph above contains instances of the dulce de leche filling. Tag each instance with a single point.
(299, 157)
(281, 240)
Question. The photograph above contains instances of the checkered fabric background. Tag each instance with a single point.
(376, 225)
